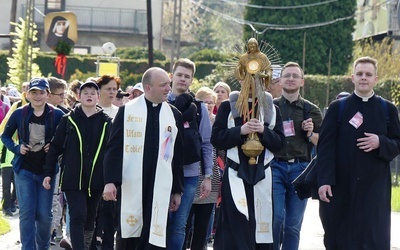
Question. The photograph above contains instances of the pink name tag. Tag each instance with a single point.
(357, 120)
(288, 128)
(186, 125)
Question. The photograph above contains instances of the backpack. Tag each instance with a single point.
(198, 105)
(191, 134)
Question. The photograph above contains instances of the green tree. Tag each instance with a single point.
(20, 64)
(204, 27)
(289, 43)
(216, 32)
(384, 51)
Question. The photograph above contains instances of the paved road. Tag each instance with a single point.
(311, 233)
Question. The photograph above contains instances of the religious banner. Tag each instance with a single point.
(61, 34)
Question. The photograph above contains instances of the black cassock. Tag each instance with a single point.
(113, 167)
(358, 215)
(234, 231)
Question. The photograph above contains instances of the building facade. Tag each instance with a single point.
(377, 19)
(121, 22)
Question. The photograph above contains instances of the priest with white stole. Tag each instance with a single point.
(144, 156)
(249, 127)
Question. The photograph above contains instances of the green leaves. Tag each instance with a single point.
(63, 48)
(319, 40)
(20, 64)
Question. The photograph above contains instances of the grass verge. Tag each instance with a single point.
(396, 199)
(4, 225)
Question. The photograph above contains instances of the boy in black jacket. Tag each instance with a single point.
(81, 138)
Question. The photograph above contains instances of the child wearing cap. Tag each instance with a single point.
(81, 138)
(35, 124)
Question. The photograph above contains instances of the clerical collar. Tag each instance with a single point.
(364, 98)
(154, 105)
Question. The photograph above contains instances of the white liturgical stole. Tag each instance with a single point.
(262, 190)
(135, 119)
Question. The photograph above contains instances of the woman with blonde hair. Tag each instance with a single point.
(223, 91)
(209, 97)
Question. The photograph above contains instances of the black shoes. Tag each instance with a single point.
(8, 213)
(66, 244)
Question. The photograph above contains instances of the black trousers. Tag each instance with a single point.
(107, 223)
(7, 175)
(82, 212)
(198, 220)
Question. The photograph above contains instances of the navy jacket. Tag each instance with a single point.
(15, 123)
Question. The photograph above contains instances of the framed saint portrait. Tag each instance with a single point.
(60, 26)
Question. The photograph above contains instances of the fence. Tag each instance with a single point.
(92, 19)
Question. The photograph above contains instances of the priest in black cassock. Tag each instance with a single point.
(354, 165)
(245, 220)
(144, 156)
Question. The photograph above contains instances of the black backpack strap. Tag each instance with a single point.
(198, 105)
(52, 125)
(68, 127)
(342, 104)
(199, 111)
(386, 110)
(306, 110)
(24, 115)
(306, 114)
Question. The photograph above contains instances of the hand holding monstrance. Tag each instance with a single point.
(254, 72)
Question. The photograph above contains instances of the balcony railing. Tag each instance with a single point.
(94, 19)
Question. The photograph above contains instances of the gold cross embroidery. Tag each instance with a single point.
(263, 227)
(131, 220)
(243, 202)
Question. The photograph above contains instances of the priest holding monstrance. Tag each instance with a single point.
(249, 127)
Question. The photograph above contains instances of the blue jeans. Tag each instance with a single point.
(288, 208)
(35, 214)
(178, 219)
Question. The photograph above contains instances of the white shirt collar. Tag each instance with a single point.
(365, 98)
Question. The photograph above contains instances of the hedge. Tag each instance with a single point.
(131, 72)
(315, 88)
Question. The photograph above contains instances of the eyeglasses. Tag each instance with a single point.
(62, 95)
(209, 103)
(295, 76)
